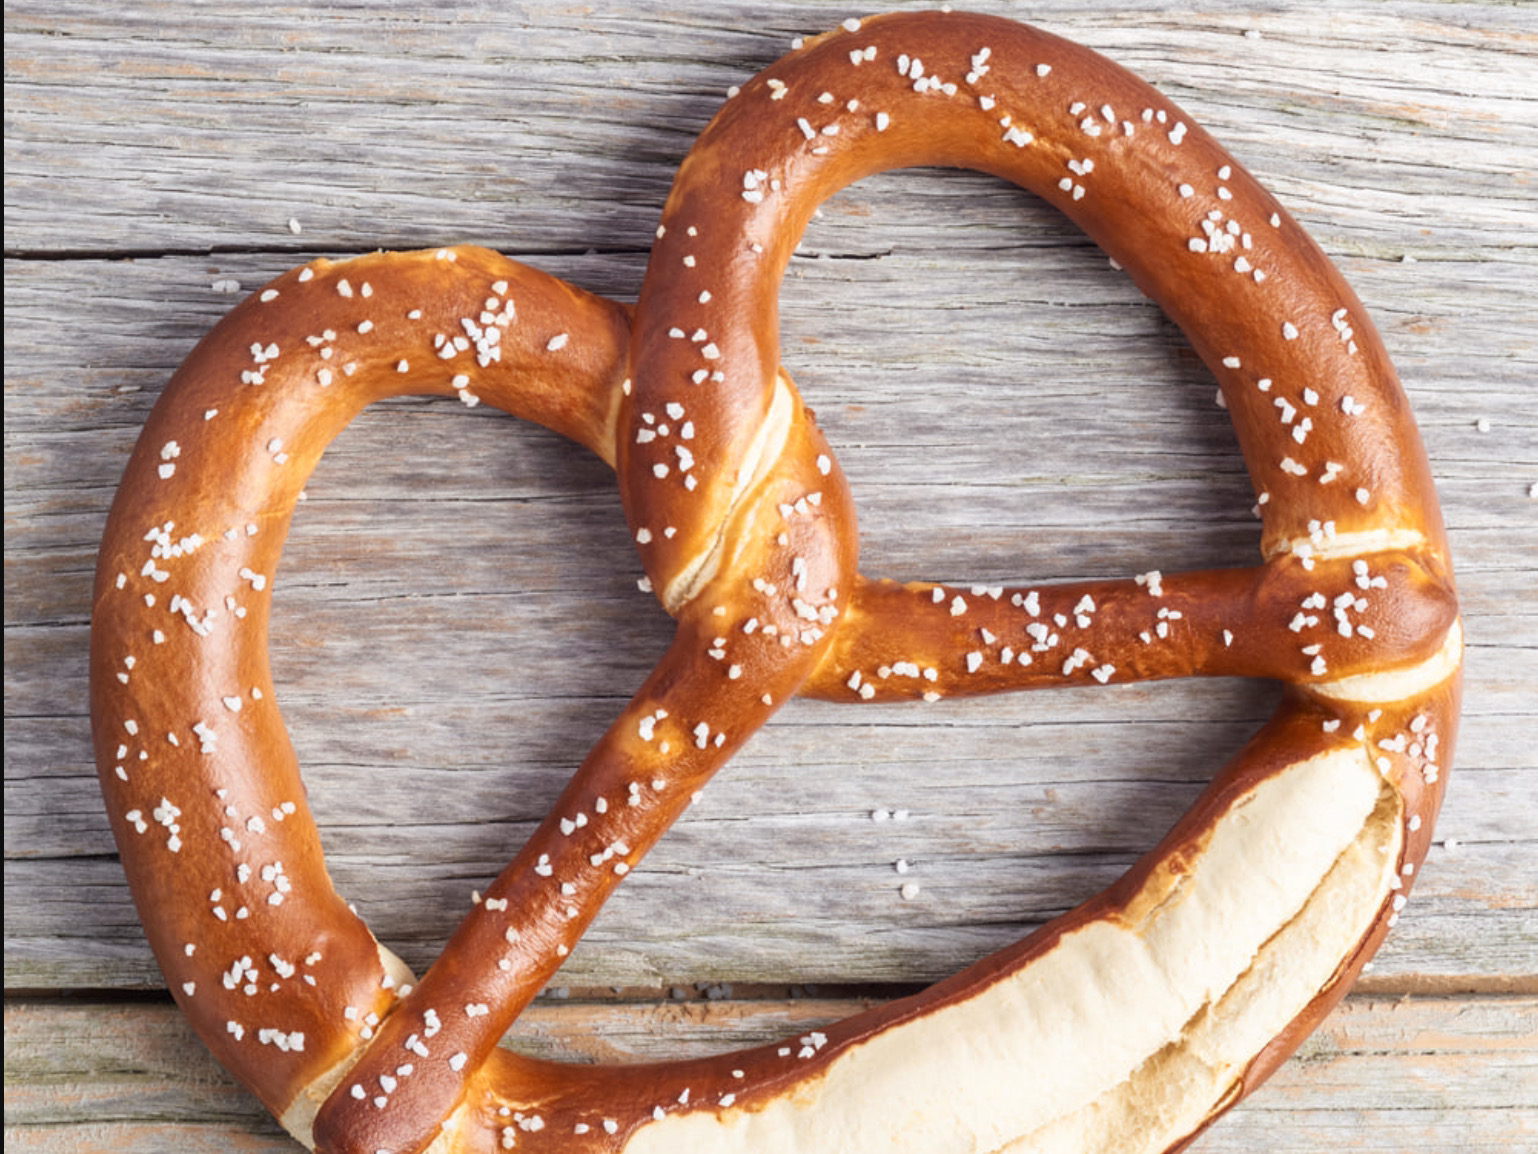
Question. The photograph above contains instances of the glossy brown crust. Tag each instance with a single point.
(745, 525)
(1218, 623)
(1131, 204)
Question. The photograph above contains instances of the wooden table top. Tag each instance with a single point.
(457, 615)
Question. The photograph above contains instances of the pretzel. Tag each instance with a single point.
(1126, 1025)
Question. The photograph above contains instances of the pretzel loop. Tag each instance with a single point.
(1126, 1025)
(277, 974)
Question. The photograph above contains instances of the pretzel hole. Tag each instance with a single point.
(455, 618)
(1008, 811)
(993, 387)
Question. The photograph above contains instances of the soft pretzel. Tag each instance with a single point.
(1126, 1025)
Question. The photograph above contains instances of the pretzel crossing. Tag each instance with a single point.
(1130, 1023)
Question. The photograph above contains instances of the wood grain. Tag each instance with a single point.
(457, 616)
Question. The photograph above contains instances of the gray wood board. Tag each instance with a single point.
(1438, 1076)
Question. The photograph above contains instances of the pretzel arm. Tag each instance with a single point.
(929, 641)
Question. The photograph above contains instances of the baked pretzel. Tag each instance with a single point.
(1129, 1023)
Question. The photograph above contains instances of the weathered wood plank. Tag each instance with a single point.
(1441, 1076)
(138, 131)
(703, 912)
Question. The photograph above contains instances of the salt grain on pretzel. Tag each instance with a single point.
(1126, 1025)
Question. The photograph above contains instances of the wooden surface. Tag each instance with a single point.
(457, 610)
(1398, 1075)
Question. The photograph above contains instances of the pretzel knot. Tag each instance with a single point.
(1127, 1024)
